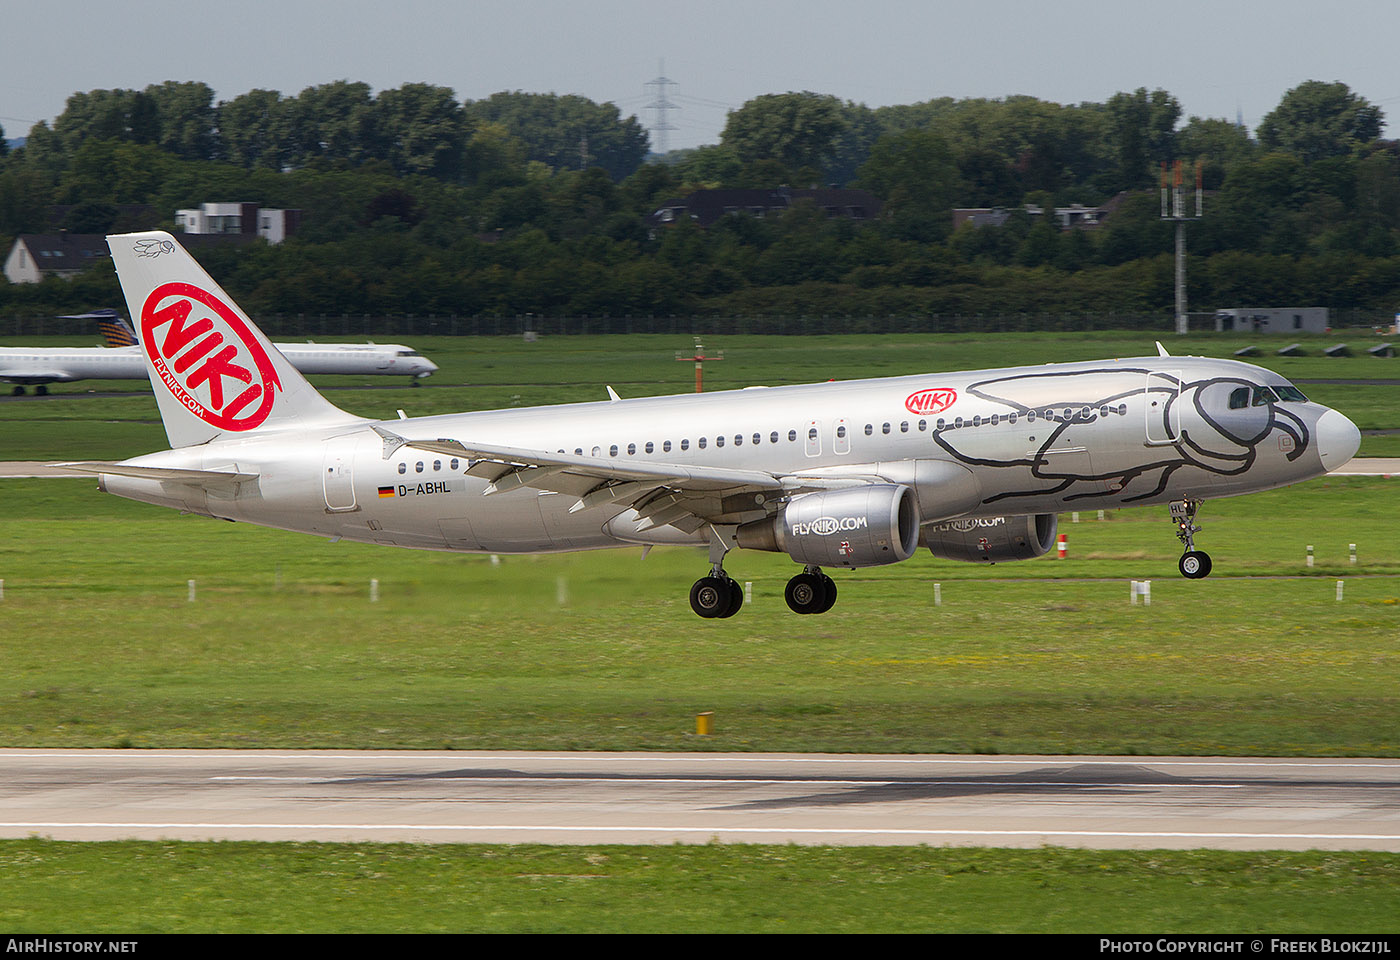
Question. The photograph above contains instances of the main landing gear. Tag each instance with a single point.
(719, 595)
(1194, 564)
(811, 591)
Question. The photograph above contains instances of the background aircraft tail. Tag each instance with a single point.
(116, 332)
(213, 371)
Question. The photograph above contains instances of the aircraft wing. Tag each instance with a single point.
(33, 375)
(683, 495)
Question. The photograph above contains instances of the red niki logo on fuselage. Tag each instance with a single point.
(198, 343)
(932, 400)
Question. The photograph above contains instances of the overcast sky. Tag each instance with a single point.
(1218, 58)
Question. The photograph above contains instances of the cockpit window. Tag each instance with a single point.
(1264, 396)
(1239, 399)
(1291, 394)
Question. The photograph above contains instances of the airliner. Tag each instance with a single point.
(973, 466)
(121, 359)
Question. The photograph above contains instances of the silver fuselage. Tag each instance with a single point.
(1030, 440)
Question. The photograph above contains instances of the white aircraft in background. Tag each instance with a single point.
(974, 465)
(121, 359)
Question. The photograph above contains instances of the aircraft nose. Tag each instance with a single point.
(1337, 439)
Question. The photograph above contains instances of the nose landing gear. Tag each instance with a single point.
(1194, 564)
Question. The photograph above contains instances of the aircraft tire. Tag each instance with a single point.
(806, 593)
(829, 586)
(710, 597)
(736, 598)
(1194, 564)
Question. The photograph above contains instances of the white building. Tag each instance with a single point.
(38, 255)
(274, 226)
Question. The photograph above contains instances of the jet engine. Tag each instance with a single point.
(853, 527)
(992, 539)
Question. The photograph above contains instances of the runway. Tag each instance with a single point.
(638, 798)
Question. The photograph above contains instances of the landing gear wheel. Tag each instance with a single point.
(1194, 564)
(711, 597)
(17, 392)
(735, 598)
(716, 598)
(808, 593)
(41, 391)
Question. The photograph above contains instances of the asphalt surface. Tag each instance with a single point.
(519, 797)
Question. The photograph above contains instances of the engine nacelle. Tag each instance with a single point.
(854, 527)
(992, 539)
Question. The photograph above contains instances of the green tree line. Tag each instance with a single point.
(417, 202)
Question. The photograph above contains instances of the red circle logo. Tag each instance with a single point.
(932, 400)
(207, 357)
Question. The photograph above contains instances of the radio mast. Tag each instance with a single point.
(1174, 210)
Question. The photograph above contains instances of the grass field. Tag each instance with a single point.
(137, 888)
(103, 648)
(283, 648)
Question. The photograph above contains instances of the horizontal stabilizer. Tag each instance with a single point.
(201, 477)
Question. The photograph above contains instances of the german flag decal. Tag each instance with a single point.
(385, 492)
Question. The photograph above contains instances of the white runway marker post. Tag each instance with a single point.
(1339, 591)
(374, 591)
(190, 584)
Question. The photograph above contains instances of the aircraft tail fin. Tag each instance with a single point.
(213, 371)
(116, 332)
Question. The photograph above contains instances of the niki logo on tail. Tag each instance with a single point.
(201, 348)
